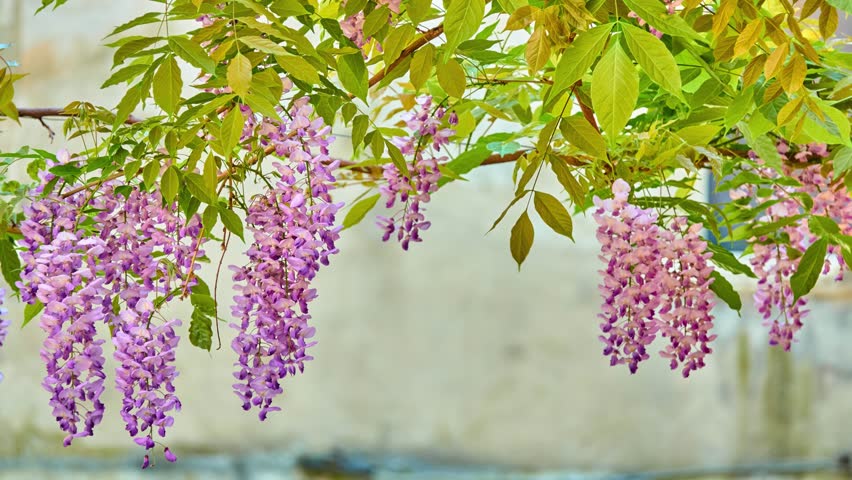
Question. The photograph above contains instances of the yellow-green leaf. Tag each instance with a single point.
(615, 89)
(461, 21)
(421, 66)
(554, 214)
(578, 57)
(521, 239)
(168, 85)
(298, 68)
(538, 50)
(653, 56)
(239, 75)
(451, 78)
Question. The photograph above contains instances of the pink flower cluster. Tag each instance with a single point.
(294, 233)
(427, 137)
(134, 252)
(656, 282)
(353, 25)
(772, 262)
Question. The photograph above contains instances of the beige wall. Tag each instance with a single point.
(447, 350)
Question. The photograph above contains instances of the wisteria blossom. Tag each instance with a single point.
(773, 262)
(656, 281)
(294, 234)
(108, 274)
(411, 192)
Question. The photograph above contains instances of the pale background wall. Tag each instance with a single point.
(446, 351)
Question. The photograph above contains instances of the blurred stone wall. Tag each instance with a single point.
(446, 351)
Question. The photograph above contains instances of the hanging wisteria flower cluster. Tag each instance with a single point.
(657, 281)
(294, 233)
(113, 272)
(413, 191)
(775, 262)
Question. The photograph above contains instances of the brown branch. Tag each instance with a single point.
(427, 37)
(41, 113)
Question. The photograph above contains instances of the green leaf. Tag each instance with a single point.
(579, 132)
(359, 129)
(845, 5)
(375, 21)
(201, 323)
(461, 21)
(170, 183)
(31, 310)
(451, 78)
(657, 16)
(10, 263)
(288, 8)
(209, 217)
(763, 146)
(395, 42)
(232, 221)
(359, 210)
(264, 45)
(521, 239)
(506, 210)
(168, 85)
(298, 68)
(469, 160)
(842, 159)
(210, 173)
(725, 259)
(353, 74)
(615, 90)
(809, 269)
(150, 173)
(421, 66)
(192, 53)
(725, 291)
(128, 48)
(653, 56)
(579, 57)
(232, 130)
(554, 214)
(397, 158)
(239, 75)
(567, 180)
(127, 104)
(144, 19)
(197, 187)
(125, 74)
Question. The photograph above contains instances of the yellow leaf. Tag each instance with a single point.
(723, 16)
(753, 70)
(788, 111)
(748, 37)
(793, 74)
(775, 60)
(724, 49)
(827, 21)
(239, 75)
(521, 18)
(538, 51)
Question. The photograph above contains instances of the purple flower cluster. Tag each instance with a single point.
(293, 235)
(427, 133)
(133, 252)
(4, 324)
(773, 262)
(656, 281)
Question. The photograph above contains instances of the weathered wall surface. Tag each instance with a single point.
(447, 351)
